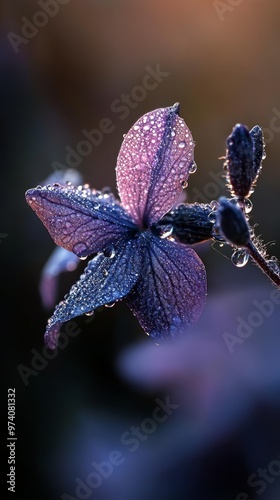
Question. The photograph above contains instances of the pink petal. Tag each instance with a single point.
(153, 164)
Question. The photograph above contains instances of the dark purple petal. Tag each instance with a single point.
(79, 219)
(153, 163)
(105, 280)
(170, 293)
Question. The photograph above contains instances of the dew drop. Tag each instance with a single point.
(264, 155)
(248, 205)
(225, 166)
(111, 304)
(83, 258)
(146, 127)
(212, 217)
(182, 164)
(80, 247)
(240, 258)
(181, 144)
(273, 265)
(68, 183)
(167, 231)
(184, 184)
(214, 204)
(193, 168)
(109, 252)
(89, 313)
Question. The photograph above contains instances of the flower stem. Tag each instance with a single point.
(263, 264)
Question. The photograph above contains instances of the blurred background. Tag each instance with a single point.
(66, 65)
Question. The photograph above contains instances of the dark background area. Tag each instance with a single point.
(222, 63)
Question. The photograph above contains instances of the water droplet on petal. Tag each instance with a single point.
(182, 144)
(89, 313)
(184, 184)
(193, 168)
(111, 304)
(80, 247)
(146, 127)
(240, 258)
(109, 252)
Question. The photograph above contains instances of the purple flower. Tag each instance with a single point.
(162, 281)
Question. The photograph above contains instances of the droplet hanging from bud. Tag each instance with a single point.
(240, 258)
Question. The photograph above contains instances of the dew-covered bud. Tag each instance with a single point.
(191, 223)
(240, 161)
(232, 223)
